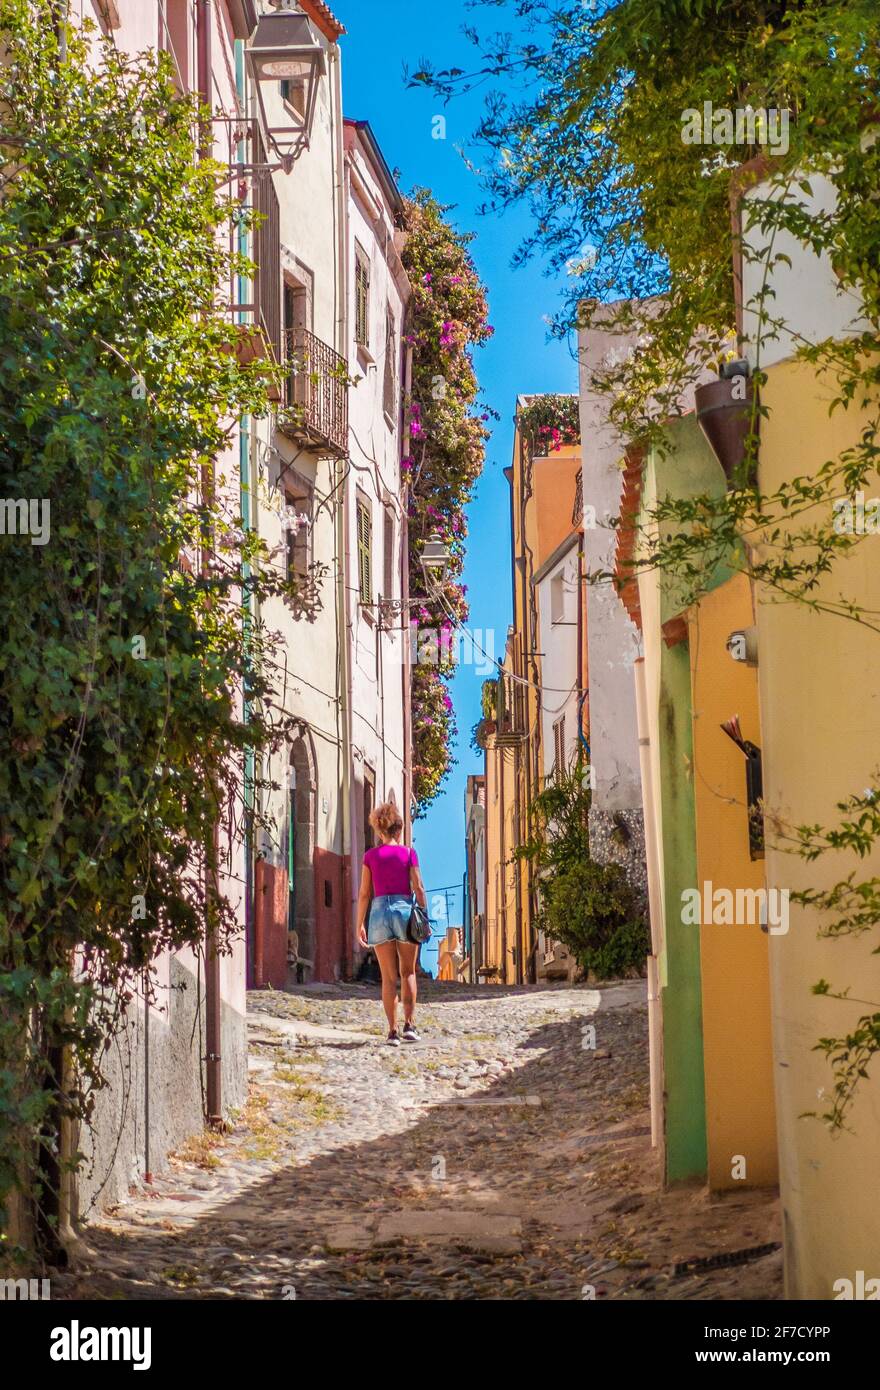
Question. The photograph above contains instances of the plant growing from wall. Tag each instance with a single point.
(123, 657)
(588, 907)
(447, 319)
(591, 136)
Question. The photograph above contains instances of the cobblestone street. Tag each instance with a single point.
(500, 1157)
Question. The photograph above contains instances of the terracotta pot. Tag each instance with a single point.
(725, 413)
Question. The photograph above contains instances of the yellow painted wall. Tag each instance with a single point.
(735, 981)
(819, 680)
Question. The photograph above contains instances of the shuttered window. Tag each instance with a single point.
(390, 384)
(361, 297)
(559, 747)
(365, 551)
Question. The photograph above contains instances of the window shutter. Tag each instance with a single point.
(365, 558)
(390, 383)
(559, 746)
(361, 298)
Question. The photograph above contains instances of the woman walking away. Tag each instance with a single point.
(390, 879)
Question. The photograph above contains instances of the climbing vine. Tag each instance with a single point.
(125, 649)
(448, 317)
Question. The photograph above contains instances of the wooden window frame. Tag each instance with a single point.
(362, 278)
(389, 382)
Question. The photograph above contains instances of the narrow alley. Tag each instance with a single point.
(505, 1156)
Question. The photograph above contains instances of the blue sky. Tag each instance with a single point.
(383, 36)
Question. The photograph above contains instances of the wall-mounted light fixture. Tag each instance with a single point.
(743, 645)
(285, 48)
(435, 562)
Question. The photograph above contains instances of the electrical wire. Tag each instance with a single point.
(509, 675)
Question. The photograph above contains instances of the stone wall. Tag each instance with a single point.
(114, 1144)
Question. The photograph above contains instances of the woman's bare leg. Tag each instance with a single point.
(407, 951)
(386, 955)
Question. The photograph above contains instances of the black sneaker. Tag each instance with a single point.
(393, 1039)
(410, 1033)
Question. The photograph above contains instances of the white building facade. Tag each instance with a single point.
(376, 542)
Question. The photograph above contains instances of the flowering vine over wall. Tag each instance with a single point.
(447, 429)
(550, 422)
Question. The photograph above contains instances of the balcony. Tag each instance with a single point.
(315, 411)
(506, 712)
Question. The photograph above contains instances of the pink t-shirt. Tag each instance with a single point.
(389, 868)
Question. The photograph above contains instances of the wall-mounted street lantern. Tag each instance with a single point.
(435, 562)
(285, 49)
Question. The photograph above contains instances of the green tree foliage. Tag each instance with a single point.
(588, 907)
(123, 651)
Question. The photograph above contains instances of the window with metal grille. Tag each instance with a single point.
(365, 550)
(390, 384)
(361, 296)
(559, 747)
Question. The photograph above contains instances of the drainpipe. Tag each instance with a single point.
(655, 905)
(212, 848)
(341, 517)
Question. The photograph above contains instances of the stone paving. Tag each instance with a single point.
(505, 1156)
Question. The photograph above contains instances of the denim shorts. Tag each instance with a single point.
(389, 918)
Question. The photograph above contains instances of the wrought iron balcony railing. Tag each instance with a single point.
(509, 712)
(316, 394)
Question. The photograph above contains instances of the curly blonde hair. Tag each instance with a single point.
(386, 820)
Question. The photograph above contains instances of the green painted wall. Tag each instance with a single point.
(681, 1001)
(686, 467)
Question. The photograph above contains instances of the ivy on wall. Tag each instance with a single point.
(125, 647)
